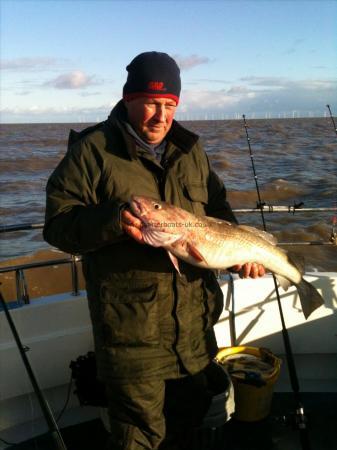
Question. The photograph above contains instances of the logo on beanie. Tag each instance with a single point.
(156, 86)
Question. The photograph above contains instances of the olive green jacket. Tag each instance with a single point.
(148, 321)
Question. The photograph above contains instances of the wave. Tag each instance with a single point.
(273, 191)
(28, 163)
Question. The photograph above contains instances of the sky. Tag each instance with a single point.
(65, 61)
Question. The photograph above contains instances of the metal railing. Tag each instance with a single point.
(20, 280)
(22, 296)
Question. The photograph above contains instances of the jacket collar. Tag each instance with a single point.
(115, 120)
(181, 137)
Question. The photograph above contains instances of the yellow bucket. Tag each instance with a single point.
(253, 385)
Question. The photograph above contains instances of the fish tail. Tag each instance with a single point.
(310, 298)
(297, 261)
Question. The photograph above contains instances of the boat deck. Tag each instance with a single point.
(269, 434)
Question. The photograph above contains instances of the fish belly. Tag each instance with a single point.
(225, 254)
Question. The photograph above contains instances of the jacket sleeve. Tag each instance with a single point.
(76, 221)
(217, 203)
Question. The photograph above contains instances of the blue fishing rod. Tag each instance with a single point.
(299, 418)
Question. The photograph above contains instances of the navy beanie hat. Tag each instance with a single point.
(152, 74)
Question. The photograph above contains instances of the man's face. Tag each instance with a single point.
(151, 117)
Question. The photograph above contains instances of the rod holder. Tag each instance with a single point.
(74, 275)
(21, 287)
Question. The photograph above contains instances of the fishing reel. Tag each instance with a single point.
(297, 420)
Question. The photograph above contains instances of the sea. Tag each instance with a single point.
(295, 163)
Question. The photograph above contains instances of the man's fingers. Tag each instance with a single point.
(128, 218)
(134, 232)
(236, 268)
(252, 270)
(262, 270)
(132, 225)
(256, 270)
(245, 271)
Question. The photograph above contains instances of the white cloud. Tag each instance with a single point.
(262, 94)
(203, 100)
(37, 113)
(72, 80)
(216, 99)
(237, 91)
(259, 95)
(23, 93)
(286, 83)
(40, 109)
(278, 82)
(316, 84)
(38, 63)
(188, 62)
(89, 94)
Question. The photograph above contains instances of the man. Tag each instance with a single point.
(153, 329)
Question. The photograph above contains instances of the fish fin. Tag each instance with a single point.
(262, 234)
(215, 220)
(310, 298)
(284, 282)
(193, 251)
(297, 260)
(158, 238)
(174, 261)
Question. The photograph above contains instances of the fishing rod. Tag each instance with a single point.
(332, 119)
(333, 237)
(267, 208)
(21, 227)
(300, 419)
(292, 209)
(51, 422)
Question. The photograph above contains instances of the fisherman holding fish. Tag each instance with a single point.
(152, 316)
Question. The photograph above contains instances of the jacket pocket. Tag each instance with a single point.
(197, 195)
(130, 313)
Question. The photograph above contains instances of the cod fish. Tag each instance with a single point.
(217, 244)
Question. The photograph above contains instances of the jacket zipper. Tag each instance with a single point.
(161, 180)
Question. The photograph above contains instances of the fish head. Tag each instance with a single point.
(162, 222)
(157, 213)
(145, 208)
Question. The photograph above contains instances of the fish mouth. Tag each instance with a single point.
(138, 208)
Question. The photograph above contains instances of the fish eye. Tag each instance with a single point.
(157, 206)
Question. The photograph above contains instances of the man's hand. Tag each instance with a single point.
(252, 270)
(132, 225)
